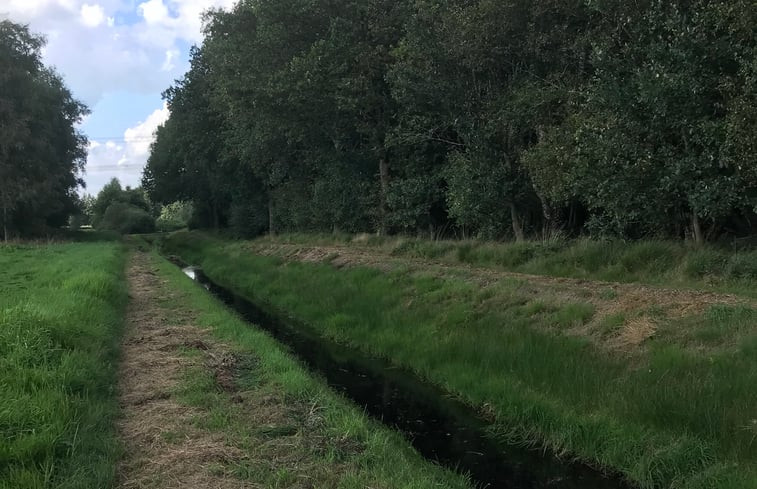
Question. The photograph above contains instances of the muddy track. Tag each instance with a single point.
(640, 302)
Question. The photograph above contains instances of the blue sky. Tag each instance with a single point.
(117, 56)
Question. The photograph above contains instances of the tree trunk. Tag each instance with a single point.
(517, 225)
(5, 222)
(214, 210)
(696, 228)
(547, 213)
(384, 180)
(271, 228)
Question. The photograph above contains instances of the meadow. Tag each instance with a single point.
(675, 409)
(61, 311)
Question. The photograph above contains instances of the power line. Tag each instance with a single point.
(104, 168)
(121, 139)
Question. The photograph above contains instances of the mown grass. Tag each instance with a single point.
(654, 262)
(670, 416)
(60, 316)
(384, 459)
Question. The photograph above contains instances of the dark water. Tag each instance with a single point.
(440, 428)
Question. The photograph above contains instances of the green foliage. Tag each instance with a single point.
(174, 216)
(41, 151)
(743, 265)
(112, 193)
(123, 210)
(705, 262)
(462, 118)
(125, 218)
(60, 317)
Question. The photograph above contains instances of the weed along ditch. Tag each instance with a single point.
(441, 428)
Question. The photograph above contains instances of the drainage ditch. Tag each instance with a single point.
(440, 427)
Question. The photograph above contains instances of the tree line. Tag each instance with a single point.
(471, 118)
(42, 153)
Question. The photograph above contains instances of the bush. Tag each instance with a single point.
(174, 216)
(705, 262)
(656, 256)
(125, 218)
(743, 266)
(247, 220)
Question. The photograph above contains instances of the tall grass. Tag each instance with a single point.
(670, 416)
(60, 312)
(655, 262)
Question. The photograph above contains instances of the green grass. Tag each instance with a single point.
(674, 415)
(384, 458)
(673, 264)
(60, 316)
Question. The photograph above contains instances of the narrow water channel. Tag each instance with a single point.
(442, 429)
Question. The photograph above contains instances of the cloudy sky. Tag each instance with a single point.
(117, 56)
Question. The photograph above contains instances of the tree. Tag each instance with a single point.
(648, 149)
(124, 210)
(496, 119)
(41, 151)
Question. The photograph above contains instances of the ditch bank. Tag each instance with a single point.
(441, 428)
(672, 413)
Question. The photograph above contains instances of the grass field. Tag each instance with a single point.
(344, 448)
(677, 411)
(61, 309)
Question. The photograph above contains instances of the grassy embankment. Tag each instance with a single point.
(350, 450)
(666, 263)
(676, 411)
(61, 310)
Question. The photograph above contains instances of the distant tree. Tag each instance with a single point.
(175, 215)
(125, 210)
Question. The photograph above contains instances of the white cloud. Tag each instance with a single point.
(124, 161)
(129, 55)
(139, 137)
(116, 46)
(92, 15)
(154, 12)
(169, 63)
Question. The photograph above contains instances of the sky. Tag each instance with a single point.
(116, 56)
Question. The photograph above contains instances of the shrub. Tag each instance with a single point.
(125, 218)
(704, 262)
(743, 265)
(174, 216)
(649, 255)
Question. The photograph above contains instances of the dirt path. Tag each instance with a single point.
(163, 446)
(190, 421)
